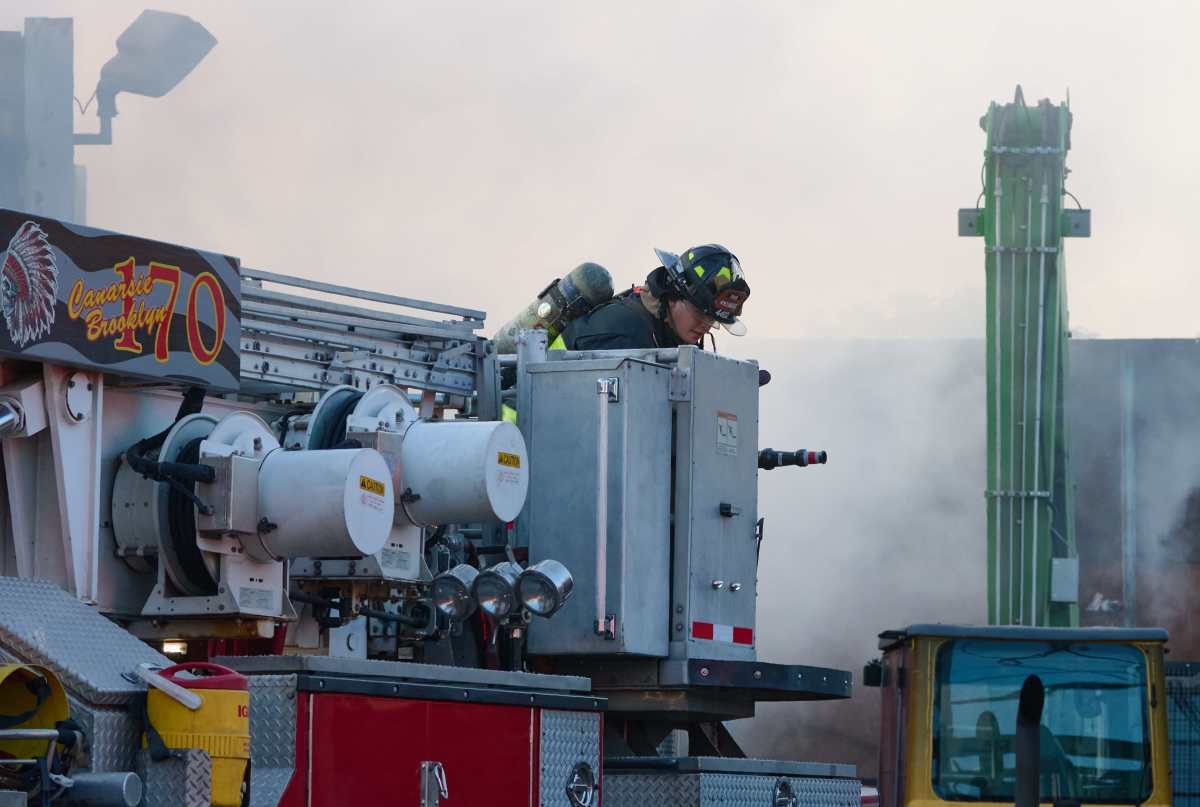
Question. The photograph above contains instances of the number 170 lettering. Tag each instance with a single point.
(171, 275)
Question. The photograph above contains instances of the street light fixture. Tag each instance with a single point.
(154, 54)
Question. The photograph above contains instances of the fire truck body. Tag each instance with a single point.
(204, 458)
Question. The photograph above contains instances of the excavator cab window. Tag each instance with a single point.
(1095, 744)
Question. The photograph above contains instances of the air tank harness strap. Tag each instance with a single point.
(41, 691)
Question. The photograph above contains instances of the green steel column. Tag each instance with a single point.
(1029, 507)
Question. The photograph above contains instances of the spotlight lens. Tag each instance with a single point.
(496, 591)
(545, 587)
(538, 595)
(495, 596)
(451, 591)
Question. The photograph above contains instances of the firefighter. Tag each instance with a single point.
(679, 304)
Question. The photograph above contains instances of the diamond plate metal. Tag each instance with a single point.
(673, 789)
(660, 789)
(272, 737)
(111, 736)
(566, 739)
(42, 624)
(185, 782)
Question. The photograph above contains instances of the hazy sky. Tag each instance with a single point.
(468, 152)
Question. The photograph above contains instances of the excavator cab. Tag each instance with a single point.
(950, 697)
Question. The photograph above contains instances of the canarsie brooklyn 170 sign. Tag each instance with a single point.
(91, 298)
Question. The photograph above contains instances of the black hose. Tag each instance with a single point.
(388, 616)
(337, 434)
(135, 455)
(181, 520)
(311, 599)
(371, 613)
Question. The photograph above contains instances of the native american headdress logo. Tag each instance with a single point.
(28, 285)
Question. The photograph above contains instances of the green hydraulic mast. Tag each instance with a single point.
(1032, 564)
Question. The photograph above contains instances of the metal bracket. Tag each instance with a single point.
(607, 628)
(433, 784)
(679, 387)
(610, 387)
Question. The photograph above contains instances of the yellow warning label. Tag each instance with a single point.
(371, 485)
(511, 460)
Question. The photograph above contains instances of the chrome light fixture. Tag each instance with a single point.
(496, 589)
(545, 586)
(451, 591)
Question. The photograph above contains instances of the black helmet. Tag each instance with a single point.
(710, 277)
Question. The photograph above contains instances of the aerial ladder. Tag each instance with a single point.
(1032, 561)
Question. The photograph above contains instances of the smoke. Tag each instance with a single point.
(890, 533)
(1135, 445)
(492, 146)
(470, 152)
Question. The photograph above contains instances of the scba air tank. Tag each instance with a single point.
(456, 472)
(585, 287)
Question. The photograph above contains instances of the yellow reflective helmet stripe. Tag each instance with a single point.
(558, 343)
(725, 273)
(699, 270)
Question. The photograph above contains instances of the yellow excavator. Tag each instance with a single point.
(1022, 715)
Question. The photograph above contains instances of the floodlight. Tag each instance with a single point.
(496, 589)
(451, 591)
(545, 586)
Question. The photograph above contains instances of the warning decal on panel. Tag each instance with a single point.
(371, 485)
(260, 599)
(394, 558)
(509, 460)
(727, 438)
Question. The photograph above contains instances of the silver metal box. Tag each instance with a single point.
(682, 502)
(559, 521)
(715, 562)
(700, 781)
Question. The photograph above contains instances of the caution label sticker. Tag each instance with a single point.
(508, 460)
(727, 434)
(371, 485)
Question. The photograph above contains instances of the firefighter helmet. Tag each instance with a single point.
(710, 277)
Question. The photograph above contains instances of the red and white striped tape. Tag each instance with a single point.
(722, 633)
